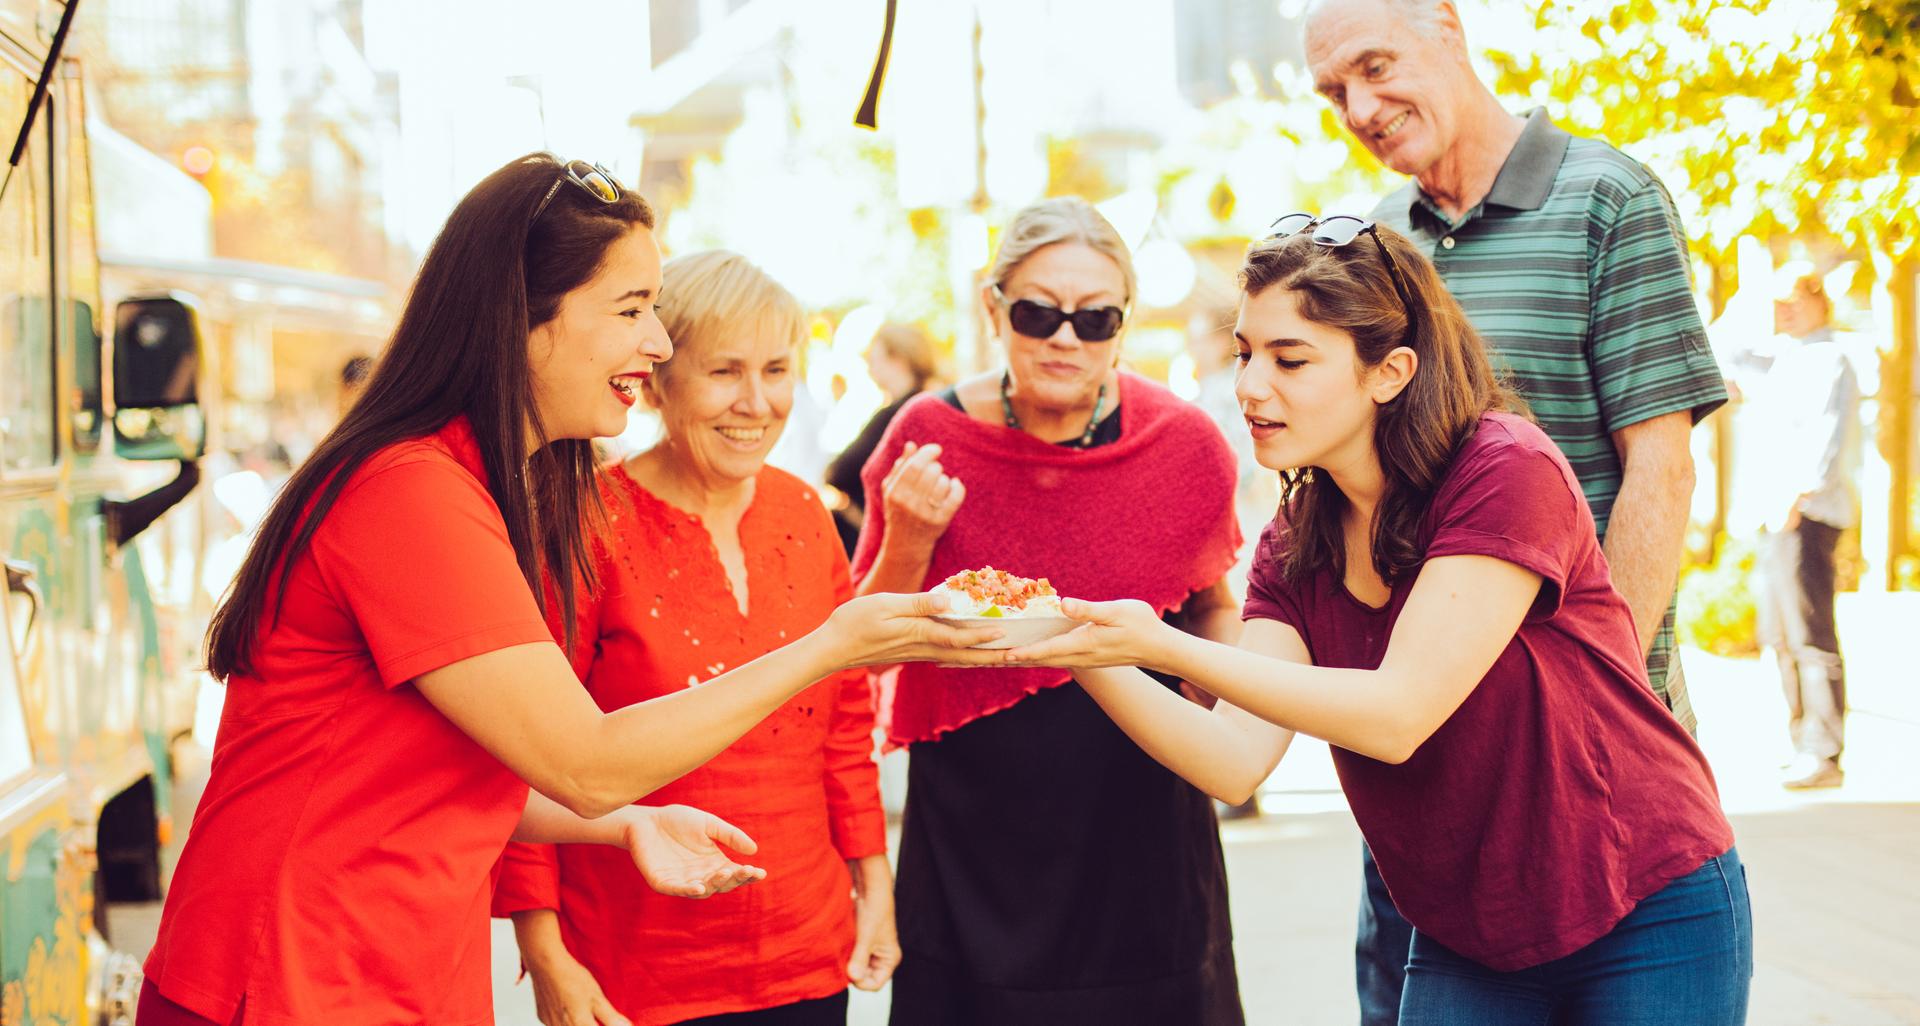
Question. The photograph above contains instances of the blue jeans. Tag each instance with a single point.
(1683, 955)
(1380, 948)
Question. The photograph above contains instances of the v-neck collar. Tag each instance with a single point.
(696, 522)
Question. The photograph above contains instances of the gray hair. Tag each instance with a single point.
(1056, 220)
(1420, 15)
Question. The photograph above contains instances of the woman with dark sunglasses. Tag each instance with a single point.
(1049, 872)
(392, 686)
(1432, 601)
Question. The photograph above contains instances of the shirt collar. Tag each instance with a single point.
(1525, 179)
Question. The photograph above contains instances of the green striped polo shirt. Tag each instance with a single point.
(1574, 269)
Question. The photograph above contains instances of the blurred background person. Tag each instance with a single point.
(1051, 872)
(353, 381)
(715, 558)
(1807, 409)
(901, 361)
(1210, 347)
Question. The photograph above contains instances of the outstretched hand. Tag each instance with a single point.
(885, 628)
(1120, 633)
(677, 850)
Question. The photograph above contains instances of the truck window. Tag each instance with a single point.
(27, 406)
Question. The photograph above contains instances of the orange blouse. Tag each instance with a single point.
(803, 783)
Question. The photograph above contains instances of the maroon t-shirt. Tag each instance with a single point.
(1562, 791)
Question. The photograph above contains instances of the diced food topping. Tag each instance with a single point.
(996, 593)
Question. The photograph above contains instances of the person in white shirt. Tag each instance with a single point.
(1808, 404)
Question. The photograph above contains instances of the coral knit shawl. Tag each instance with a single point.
(1149, 516)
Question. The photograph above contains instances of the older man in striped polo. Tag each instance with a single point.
(1570, 259)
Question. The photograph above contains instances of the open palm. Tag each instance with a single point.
(677, 850)
(1110, 634)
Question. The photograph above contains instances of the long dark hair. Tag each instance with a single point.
(460, 348)
(1418, 432)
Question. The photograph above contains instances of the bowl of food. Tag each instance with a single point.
(1023, 609)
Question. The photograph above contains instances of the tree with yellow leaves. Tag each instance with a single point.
(1782, 119)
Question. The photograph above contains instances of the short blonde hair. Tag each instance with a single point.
(1056, 220)
(716, 293)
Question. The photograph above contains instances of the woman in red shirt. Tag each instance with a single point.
(393, 688)
(715, 558)
(1433, 602)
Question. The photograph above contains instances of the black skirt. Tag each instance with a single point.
(1052, 873)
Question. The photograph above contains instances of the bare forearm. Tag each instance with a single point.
(1196, 743)
(524, 705)
(537, 932)
(1645, 541)
(871, 874)
(545, 821)
(1359, 710)
(901, 566)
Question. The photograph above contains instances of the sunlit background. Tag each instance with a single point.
(324, 141)
(288, 161)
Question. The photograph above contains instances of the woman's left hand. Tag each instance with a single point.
(677, 850)
(876, 943)
(1121, 633)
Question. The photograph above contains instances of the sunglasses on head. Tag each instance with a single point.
(1338, 230)
(595, 180)
(1038, 320)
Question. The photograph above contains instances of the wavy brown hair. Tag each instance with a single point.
(1417, 433)
(493, 275)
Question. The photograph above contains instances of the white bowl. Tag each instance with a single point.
(1015, 630)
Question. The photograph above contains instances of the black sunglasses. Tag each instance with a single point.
(1339, 230)
(1038, 320)
(597, 181)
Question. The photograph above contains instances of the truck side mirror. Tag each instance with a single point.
(156, 366)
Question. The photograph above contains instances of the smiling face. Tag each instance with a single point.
(724, 400)
(1396, 84)
(589, 361)
(1059, 372)
(1307, 399)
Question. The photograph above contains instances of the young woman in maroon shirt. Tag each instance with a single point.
(1432, 601)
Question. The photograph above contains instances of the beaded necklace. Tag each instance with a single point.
(1006, 406)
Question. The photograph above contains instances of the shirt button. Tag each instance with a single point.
(1446, 243)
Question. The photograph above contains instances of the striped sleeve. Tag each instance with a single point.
(1649, 352)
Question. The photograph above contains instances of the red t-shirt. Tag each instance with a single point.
(802, 783)
(339, 865)
(1562, 791)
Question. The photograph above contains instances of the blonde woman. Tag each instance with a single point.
(1049, 871)
(713, 559)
